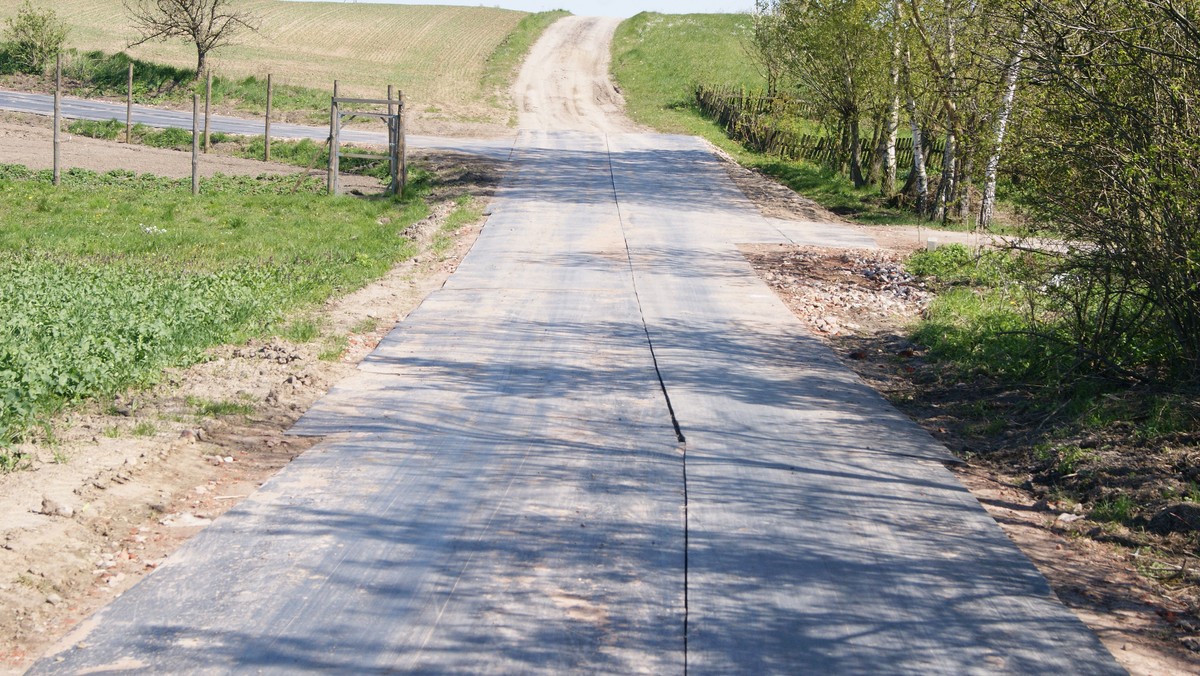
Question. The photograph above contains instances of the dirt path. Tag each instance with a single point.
(565, 84)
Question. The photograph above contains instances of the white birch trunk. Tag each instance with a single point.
(922, 179)
(888, 187)
(991, 173)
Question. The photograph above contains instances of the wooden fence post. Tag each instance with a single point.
(393, 144)
(334, 122)
(207, 104)
(267, 132)
(57, 118)
(195, 143)
(129, 106)
(402, 142)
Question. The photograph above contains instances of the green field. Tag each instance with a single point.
(658, 58)
(109, 278)
(449, 61)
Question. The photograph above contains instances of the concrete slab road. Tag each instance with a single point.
(604, 446)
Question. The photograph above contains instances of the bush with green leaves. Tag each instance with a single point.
(35, 37)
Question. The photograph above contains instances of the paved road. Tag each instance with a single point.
(87, 109)
(603, 446)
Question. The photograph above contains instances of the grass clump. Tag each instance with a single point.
(171, 138)
(110, 278)
(213, 408)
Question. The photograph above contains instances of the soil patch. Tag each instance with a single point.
(114, 487)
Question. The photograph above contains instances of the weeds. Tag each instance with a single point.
(209, 408)
(1117, 510)
(144, 429)
(365, 325)
(334, 348)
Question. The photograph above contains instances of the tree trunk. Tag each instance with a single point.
(856, 173)
(201, 60)
(888, 186)
(991, 172)
(962, 185)
(879, 138)
(918, 176)
(946, 182)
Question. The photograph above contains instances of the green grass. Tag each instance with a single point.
(365, 325)
(211, 408)
(172, 138)
(333, 348)
(659, 58)
(144, 429)
(112, 277)
(1117, 510)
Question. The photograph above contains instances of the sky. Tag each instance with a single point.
(621, 8)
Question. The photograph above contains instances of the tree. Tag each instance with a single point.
(838, 61)
(208, 24)
(35, 38)
(1112, 151)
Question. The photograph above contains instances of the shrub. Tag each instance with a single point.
(35, 37)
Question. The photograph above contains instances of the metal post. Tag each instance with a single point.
(57, 117)
(129, 106)
(334, 122)
(267, 133)
(195, 144)
(207, 104)
(393, 144)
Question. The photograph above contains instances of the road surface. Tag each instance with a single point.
(87, 109)
(603, 446)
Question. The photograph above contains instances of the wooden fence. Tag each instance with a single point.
(753, 119)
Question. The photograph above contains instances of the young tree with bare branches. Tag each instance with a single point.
(208, 24)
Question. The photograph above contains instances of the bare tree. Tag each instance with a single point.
(208, 24)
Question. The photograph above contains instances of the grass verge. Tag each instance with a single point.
(657, 61)
(112, 277)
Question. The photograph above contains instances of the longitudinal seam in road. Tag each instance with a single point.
(666, 395)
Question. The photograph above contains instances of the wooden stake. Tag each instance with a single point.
(57, 118)
(129, 106)
(207, 105)
(334, 123)
(267, 133)
(403, 145)
(393, 144)
(195, 144)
